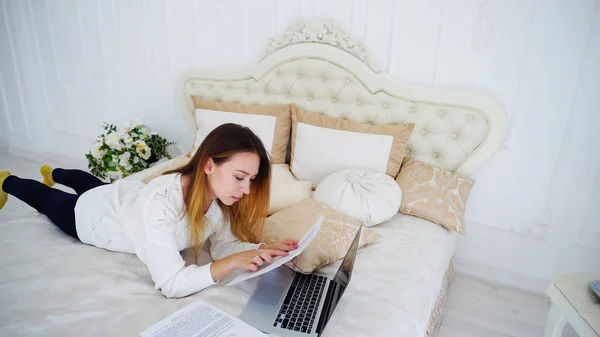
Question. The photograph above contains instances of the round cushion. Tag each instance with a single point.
(365, 195)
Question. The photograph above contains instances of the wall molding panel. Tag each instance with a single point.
(68, 65)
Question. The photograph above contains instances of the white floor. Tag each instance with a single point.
(479, 308)
(474, 307)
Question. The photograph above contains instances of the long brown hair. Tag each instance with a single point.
(246, 217)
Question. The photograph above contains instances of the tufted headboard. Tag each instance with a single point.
(316, 66)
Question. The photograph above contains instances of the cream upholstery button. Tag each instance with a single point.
(299, 75)
(423, 132)
(407, 151)
(385, 106)
(278, 74)
(441, 112)
(323, 78)
(470, 117)
(310, 98)
(246, 91)
(334, 100)
(347, 80)
(411, 109)
(435, 155)
(266, 92)
(359, 102)
(454, 135)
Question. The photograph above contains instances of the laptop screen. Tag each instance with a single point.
(340, 282)
(342, 277)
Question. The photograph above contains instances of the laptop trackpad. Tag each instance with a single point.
(268, 294)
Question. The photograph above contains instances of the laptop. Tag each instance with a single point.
(288, 303)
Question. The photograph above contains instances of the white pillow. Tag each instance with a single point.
(365, 195)
(286, 190)
(208, 120)
(272, 123)
(322, 145)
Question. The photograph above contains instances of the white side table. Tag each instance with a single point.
(574, 302)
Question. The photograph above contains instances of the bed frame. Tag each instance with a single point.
(316, 66)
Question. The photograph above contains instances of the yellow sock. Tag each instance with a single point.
(3, 195)
(46, 172)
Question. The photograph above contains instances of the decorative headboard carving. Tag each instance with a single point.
(319, 68)
(312, 31)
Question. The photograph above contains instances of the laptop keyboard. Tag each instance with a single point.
(300, 306)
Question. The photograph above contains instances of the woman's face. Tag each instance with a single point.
(231, 180)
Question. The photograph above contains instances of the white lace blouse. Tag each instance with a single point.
(149, 221)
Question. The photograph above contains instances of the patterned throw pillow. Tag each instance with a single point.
(332, 241)
(435, 194)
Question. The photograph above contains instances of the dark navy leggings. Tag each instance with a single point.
(57, 205)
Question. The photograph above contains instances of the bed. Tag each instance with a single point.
(53, 286)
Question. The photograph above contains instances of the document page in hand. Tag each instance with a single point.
(280, 260)
(201, 319)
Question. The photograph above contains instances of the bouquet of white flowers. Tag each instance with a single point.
(119, 153)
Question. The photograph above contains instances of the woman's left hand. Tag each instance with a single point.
(286, 245)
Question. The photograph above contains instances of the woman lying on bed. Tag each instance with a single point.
(207, 198)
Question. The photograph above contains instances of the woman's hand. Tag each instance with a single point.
(286, 245)
(249, 260)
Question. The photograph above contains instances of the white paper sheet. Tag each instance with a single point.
(280, 260)
(201, 319)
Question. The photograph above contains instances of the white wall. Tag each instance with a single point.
(65, 66)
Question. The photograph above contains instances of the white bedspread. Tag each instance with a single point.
(51, 285)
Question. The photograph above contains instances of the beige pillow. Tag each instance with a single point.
(435, 194)
(286, 190)
(152, 172)
(271, 123)
(322, 145)
(332, 242)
